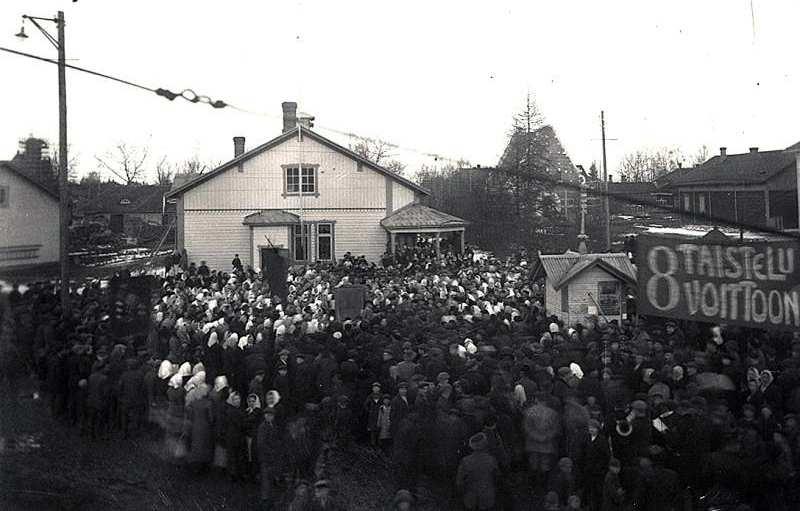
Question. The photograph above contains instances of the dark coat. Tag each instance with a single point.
(477, 480)
(99, 395)
(131, 388)
(400, 409)
(597, 457)
(201, 423)
(269, 445)
(613, 493)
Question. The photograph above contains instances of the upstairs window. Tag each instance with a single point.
(3, 196)
(295, 179)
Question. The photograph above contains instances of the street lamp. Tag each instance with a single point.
(63, 191)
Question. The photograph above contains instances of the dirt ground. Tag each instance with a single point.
(46, 465)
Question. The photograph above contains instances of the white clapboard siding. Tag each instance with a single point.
(260, 184)
(579, 301)
(401, 195)
(30, 220)
(357, 231)
(215, 236)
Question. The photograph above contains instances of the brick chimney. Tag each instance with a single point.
(754, 149)
(238, 146)
(289, 115)
(723, 151)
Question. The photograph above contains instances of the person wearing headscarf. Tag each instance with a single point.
(252, 419)
(274, 403)
(218, 396)
(200, 419)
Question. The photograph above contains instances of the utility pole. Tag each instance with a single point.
(63, 178)
(606, 207)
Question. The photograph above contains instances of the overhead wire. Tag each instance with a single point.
(192, 97)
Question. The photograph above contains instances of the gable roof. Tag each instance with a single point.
(794, 148)
(25, 177)
(281, 139)
(416, 215)
(561, 268)
(271, 217)
(746, 168)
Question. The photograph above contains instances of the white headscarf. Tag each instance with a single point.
(176, 381)
(185, 369)
(166, 369)
(213, 339)
(198, 368)
(195, 380)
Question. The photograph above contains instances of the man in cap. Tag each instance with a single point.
(477, 474)
(372, 407)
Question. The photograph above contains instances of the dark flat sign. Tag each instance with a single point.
(720, 280)
(349, 302)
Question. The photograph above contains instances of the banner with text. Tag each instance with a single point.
(720, 280)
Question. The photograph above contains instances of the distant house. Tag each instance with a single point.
(754, 188)
(578, 285)
(29, 219)
(626, 196)
(301, 198)
(122, 207)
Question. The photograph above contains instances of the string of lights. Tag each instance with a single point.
(538, 178)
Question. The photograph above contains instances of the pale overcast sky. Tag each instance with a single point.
(443, 76)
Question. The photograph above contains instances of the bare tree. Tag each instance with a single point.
(125, 162)
(164, 172)
(194, 165)
(380, 153)
(647, 165)
(701, 155)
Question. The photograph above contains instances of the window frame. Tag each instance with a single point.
(330, 235)
(294, 236)
(313, 176)
(4, 196)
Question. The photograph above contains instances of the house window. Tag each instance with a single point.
(687, 202)
(324, 242)
(608, 297)
(3, 196)
(295, 179)
(701, 203)
(565, 299)
(301, 242)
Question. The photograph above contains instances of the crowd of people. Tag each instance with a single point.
(453, 372)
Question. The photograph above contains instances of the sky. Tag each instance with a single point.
(440, 77)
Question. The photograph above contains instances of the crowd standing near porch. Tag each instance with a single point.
(453, 372)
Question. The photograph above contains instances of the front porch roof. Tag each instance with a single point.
(271, 217)
(418, 216)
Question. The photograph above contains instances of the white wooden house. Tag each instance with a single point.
(29, 221)
(579, 285)
(300, 197)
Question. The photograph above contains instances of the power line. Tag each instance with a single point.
(192, 97)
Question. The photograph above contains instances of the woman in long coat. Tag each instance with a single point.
(234, 436)
(200, 417)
